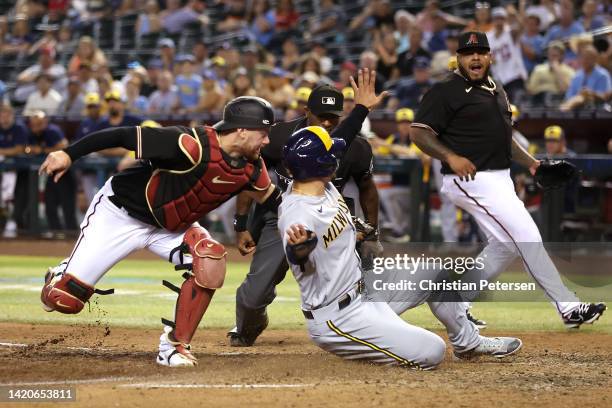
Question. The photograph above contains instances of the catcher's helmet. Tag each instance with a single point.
(311, 153)
(249, 112)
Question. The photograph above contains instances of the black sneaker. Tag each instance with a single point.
(248, 338)
(481, 324)
(584, 313)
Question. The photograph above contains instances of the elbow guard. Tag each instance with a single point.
(273, 201)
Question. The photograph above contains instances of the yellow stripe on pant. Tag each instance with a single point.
(400, 360)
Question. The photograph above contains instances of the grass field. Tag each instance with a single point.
(140, 300)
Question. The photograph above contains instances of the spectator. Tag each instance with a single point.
(319, 51)
(200, 53)
(290, 57)
(45, 98)
(532, 43)
(440, 61)
(48, 39)
(410, 91)
(167, 50)
(93, 117)
(285, 22)
(12, 133)
(405, 61)
(86, 78)
(331, 20)
(212, 97)
(72, 104)
(261, 22)
(589, 19)
(91, 122)
(44, 138)
(174, 18)
(556, 144)
(376, 14)
(298, 106)
(347, 69)
(437, 40)
(590, 84)
(165, 100)
(425, 18)
(135, 103)
(276, 89)
(240, 85)
(87, 52)
(250, 61)
(235, 16)
(188, 84)
(20, 38)
(567, 27)
(548, 11)
(506, 54)
(386, 49)
(553, 76)
(149, 20)
(116, 113)
(13, 138)
(46, 64)
(368, 59)
(403, 22)
(482, 18)
(221, 70)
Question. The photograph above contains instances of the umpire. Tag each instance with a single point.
(269, 265)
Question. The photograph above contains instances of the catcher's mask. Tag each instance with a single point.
(312, 153)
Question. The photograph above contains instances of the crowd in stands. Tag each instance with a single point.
(119, 62)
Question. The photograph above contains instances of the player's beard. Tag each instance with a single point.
(478, 82)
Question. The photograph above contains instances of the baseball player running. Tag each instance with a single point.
(184, 174)
(269, 266)
(319, 240)
(465, 121)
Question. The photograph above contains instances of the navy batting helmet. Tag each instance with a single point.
(311, 153)
(248, 112)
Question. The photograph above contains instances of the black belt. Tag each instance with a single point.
(342, 303)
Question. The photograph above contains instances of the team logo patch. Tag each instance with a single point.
(328, 100)
(266, 122)
(473, 40)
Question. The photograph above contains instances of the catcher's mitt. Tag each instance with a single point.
(555, 173)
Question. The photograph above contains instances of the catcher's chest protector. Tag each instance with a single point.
(179, 198)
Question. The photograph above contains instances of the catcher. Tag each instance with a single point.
(183, 174)
(465, 121)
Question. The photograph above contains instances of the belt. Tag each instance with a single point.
(344, 301)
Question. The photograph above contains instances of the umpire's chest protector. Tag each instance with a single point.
(178, 198)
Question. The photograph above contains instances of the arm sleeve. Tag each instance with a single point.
(103, 139)
(362, 168)
(350, 127)
(434, 111)
(263, 181)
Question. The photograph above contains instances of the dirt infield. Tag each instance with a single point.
(117, 368)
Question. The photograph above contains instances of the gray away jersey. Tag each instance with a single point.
(333, 266)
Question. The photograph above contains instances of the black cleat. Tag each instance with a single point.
(584, 313)
(247, 339)
(481, 324)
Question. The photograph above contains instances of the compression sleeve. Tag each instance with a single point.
(103, 139)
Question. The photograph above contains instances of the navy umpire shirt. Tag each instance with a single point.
(471, 120)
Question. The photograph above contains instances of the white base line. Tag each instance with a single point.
(232, 386)
(67, 347)
(71, 382)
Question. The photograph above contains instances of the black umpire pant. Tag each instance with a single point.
(268, 268)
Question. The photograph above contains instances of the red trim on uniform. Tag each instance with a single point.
(190, 146)
(263, 181)
(213, 143)
(82, 234)
(511, 237)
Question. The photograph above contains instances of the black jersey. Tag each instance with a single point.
(473, 121)
(356, 163)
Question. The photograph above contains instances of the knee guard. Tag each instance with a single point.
(65, 293)
(207, 275)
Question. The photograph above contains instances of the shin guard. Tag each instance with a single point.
(65, 293)
(192, 302)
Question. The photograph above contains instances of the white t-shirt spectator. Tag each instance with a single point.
(48, 103)
(507, 58)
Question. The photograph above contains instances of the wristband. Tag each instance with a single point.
(240, 222)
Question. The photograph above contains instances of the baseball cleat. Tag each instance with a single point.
(174, 354)
(498, 347)
(52, 276)
(584, 313)
(481, 324)
(248, 337)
